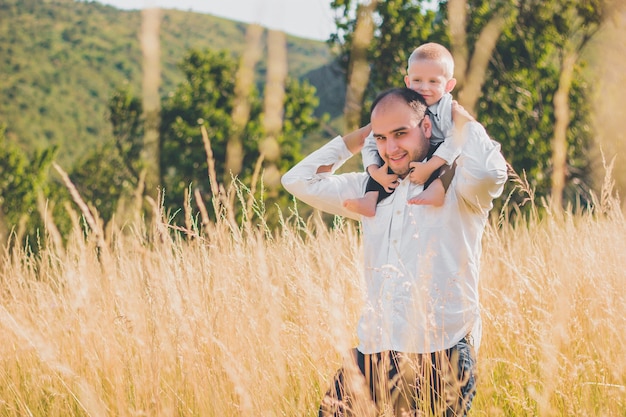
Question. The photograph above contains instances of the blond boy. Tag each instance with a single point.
(430, 72)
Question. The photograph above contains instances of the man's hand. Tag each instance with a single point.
(460, 116)
(382, 176)
(354, 141)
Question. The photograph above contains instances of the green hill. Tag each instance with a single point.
(60, 60)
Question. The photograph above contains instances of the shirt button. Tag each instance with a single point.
(388, 297)
(398, 212)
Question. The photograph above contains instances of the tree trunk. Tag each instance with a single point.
(562, 119)
(274, 105)
(150, 45)
(457, 18)
(359, 71)
(475, 73)
(241, 109)
(470, 71)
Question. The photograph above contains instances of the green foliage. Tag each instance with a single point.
(517, 104)
(22, 177)
(127, 121)
(110, 172)
(102, 179)
(61, 61)
(517, 98)
(69, 70)
(206, 98)
(401, 26)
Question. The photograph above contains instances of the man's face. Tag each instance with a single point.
(400, 138)
(428, 78)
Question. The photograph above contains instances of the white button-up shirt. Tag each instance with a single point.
(421, 262)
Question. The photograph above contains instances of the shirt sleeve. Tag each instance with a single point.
(369, 153)
(481, 170)
(326, 191)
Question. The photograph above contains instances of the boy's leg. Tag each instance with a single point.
(446, 174)
(434, 195)
(366, 205)
(435, 188)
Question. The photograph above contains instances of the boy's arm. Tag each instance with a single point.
(420, 172)
(373, 163)
(369, 153)
(450, 149)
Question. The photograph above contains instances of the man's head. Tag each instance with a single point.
(401, 128)
(431, 72)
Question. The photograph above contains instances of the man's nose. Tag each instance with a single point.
(391, 145)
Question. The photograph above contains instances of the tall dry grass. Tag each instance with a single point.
(231, 319)
(228, 320)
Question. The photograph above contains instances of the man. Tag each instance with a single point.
(420, 324)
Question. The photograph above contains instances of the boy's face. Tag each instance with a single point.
(428, 78)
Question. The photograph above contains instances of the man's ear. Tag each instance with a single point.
(450, 85)
(427, 126)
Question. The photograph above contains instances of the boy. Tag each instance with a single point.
(430, 73)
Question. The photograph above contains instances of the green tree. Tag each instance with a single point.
(109, 175)
(538, 80)
(125, 115)
(401, 25)
(22, 179)
(206, 99)
(509, 60)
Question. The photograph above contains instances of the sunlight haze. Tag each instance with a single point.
(311, 19)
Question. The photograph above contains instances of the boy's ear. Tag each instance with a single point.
(450, 85)
(406, 81)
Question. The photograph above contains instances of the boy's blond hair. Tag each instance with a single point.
(434, 52)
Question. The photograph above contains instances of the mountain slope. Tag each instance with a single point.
(61, 60)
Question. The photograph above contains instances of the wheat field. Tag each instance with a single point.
(231, 319)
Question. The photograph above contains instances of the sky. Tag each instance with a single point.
(311, 19)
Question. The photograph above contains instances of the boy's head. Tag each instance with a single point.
(430, 72)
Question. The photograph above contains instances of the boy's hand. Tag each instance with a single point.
(420, 171)
(382, 176)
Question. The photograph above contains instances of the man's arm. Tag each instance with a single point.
(481, 169)
(313, 181)
(354, 142)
